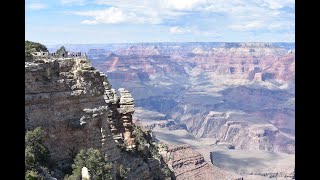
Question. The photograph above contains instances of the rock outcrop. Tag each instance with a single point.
(140, 169)
(126, 111)
(76, 106)
(120, 119)
(189, 164)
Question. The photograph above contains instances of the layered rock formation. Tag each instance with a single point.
(126, 110)
(228, 63)
(240, 95)
(67, 97)
(120, 119)
(187, 81)
(255, 164)
(189, 164)
(241, 130)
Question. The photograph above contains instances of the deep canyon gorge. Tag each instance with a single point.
(226, 100)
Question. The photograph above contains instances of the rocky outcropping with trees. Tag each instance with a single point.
(81, 116)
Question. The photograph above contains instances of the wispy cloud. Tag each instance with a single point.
(174, 20)
(37, 6)
(180, 30)
(183, 4)
(193, 30)
(254, 25)
(88, 22)
(109, 16)
(162, 11)
(262, 25)
(77, 2)
(115, 15)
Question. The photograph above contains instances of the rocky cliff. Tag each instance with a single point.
(241, 130)
(78, 109)
(187, 163)
(65, 97)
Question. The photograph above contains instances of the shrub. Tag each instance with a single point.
(37, 156)
(30, 159)
(35, 150)
(28, 56)
(96, 163)
(32, 175)
(31, 47)
(140, 139)
(123, 172)
(166, 172)
(34, 47)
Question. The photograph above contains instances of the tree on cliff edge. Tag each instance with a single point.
(31, 47)
(36, 155)
(61, 51)
(34, 47)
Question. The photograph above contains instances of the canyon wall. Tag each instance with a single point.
(250, 84)
(187, 163)
(78, 109)
(76, 106)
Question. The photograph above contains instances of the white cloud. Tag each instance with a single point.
(109, 16)
(243, 15)
(194, 30)
(115, 15)
(79, 2)
(261, 25)
(278, 4)
(254, 25)
(281, 25)
(183, 4)
(37, 6)
(180, 30)
(152, 12)
(88, 22)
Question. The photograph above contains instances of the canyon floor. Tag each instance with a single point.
(250, 164)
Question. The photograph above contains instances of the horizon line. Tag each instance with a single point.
(166, 42)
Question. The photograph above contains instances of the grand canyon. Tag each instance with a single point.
(229, 106)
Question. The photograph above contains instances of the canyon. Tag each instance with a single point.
(224, 108)
(232, 97)
(78, 109)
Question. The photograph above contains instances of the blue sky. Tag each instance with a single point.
(124, 21)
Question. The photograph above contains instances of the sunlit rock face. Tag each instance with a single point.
(76, 106)
(187, 163)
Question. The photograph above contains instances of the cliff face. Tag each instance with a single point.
(76, 106)
(231, 63)
(187, 163)
(247, 131)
